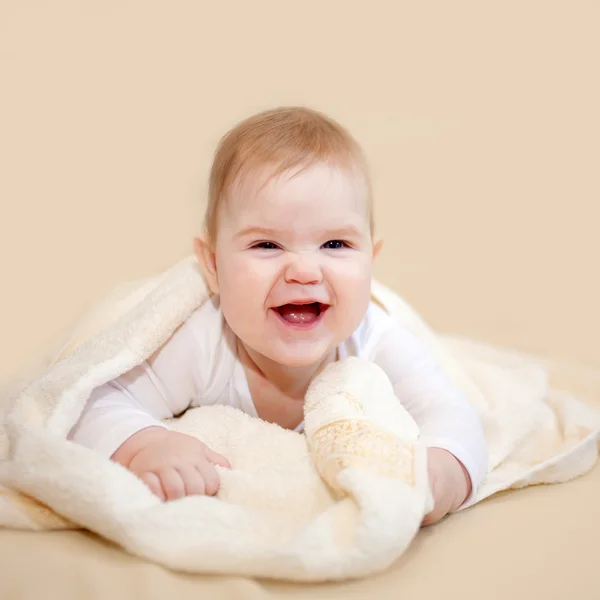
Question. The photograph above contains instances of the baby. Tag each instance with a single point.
(288, 251)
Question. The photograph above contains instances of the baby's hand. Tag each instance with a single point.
(171, 464)
(450, 484)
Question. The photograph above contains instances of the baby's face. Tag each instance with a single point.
(294, 263)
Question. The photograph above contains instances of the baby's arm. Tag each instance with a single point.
(159, 388)
(449, 425)
(123, 420)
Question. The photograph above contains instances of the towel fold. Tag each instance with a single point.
(344, 500)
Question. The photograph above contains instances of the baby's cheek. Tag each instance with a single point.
(247, 274)
(356, 291)
(240, 280)
(358, 272)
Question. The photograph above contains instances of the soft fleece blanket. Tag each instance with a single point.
(341, 501)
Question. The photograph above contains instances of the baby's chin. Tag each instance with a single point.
(303, 356)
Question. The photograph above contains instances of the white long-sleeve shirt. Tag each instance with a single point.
(198, 366)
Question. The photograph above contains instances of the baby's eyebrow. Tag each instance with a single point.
(348, 231)
(257, 231)
(342, 232)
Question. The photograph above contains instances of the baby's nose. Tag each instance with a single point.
(303, 268)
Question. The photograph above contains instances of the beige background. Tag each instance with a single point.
(481, 122)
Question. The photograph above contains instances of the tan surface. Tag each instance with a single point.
(538, 543)
(482, 128)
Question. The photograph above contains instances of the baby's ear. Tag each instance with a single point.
(377, 248)
(206, 257)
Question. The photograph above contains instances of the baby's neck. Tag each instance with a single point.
(290, 381)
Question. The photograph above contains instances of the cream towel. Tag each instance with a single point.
(343, 501)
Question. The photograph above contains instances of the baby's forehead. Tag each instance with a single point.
(319, 181)
(317, 197)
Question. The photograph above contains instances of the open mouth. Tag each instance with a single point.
(301, 314)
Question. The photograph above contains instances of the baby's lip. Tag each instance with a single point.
(301, 302)
(289, 308)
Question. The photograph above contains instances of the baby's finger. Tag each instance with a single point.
(192, 481)
(217, 459)
(153, 482)
(172, 483)
(440, 501)
(433, 517)
(440, 510)
(212, 483)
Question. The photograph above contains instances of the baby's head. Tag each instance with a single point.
(288, 242)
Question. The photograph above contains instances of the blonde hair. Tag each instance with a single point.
(286, 138)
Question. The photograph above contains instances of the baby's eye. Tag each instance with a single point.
(265, 245)
(335, 244)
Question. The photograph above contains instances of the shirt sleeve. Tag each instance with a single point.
(161, 387)
(445, 417)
